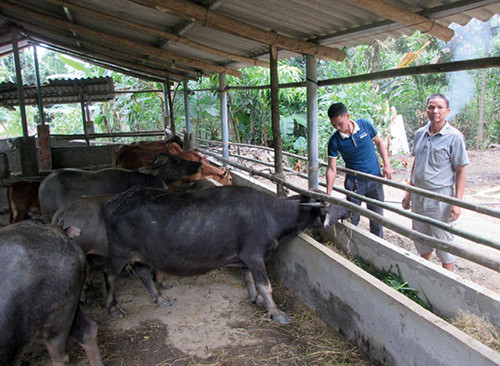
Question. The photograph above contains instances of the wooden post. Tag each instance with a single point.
(223, 115)
(44, 148)
(188, 135)
(171, 109)
(43, 130)
(19, 83)
(25, 144)
(84, 119)
(166, 109)
(312, 122)
(275, 119)
(38, 87)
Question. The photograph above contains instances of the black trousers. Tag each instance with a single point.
(368, 189)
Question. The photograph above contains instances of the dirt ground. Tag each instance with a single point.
(212, 322)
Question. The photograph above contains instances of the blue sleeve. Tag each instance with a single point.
(333, 150)
(366, 125)
(372, 129)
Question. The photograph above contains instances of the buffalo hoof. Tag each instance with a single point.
(260, 302)
(281, 318)
(117, 312)
(115, 315)
(166, 285)
(165, 303)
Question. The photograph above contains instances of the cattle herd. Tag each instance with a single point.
(153, 211)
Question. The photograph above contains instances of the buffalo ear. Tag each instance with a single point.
(147, 170)
(72, 232)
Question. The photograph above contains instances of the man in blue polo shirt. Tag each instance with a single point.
(354, 141)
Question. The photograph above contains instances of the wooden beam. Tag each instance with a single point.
(148, 62)
(103, 56)
(161, 33)
(204, 17)
(409, 18)
(474, 64)
(177, 72)
(480, 63)
(104, 37)
(58, 48)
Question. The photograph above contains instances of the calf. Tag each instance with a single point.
(67, 184)
(189, 233)
(23, 201)
(42, 274)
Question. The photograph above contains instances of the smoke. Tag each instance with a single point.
(470, 41)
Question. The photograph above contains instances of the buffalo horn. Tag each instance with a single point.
(315, 204)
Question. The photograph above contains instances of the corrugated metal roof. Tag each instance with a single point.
(149, 40)
(61, 91)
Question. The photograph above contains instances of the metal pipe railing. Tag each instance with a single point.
(455, 248)
(411, 215)
(423, 192)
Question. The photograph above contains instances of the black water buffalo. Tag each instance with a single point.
(41, 277)
(87, 214)
(189, 233)
(67, 184)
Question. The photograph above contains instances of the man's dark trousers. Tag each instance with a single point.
(368, 189)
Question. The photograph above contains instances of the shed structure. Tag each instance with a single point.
(161, 39)
(176, 40)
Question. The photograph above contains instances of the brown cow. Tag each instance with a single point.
(23, 201)
(142, 153)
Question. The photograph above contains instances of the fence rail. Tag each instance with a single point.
(455, 248)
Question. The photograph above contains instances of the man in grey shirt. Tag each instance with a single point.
(439, 166)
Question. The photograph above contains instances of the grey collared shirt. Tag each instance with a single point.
(437, 156)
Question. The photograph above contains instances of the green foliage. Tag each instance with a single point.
(300, 145)
(394, 281)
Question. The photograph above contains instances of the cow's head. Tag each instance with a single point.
(225, 178)
(169, 167)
